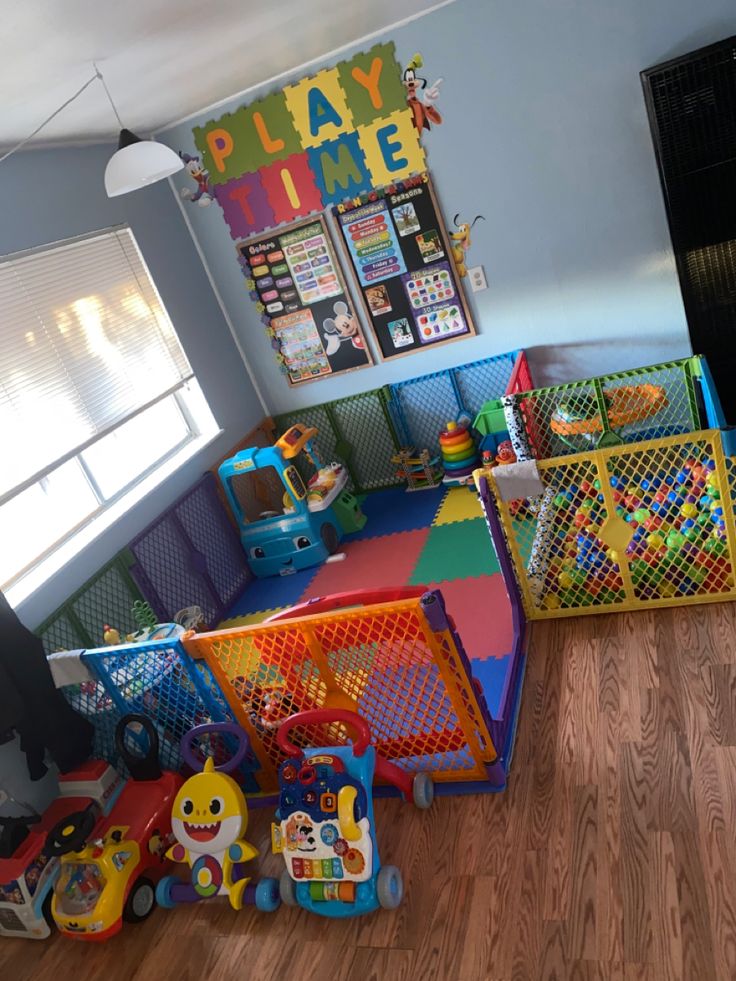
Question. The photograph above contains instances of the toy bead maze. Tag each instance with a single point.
(626, 528)
(398, 663)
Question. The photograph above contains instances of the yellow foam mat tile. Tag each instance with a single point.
(460, 504)
(249, 619)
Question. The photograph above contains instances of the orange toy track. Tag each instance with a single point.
(627, 404)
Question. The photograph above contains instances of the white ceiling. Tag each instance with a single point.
(162, 59)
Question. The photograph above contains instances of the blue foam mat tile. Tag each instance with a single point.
(491, 673)
(272, 593)
(394, 510)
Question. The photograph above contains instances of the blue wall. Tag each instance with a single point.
(56, 194)
(546, 135)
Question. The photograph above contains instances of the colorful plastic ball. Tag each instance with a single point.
(641, 514)
(597, 484)
(689, 511)
(675, 540)
(682, 476)
(551, 602)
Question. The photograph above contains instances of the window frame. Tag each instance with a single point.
(200, 429)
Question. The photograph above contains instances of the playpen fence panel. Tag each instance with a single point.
(631, 406)
(365, 427)
(166, 559)
(159, 680)
(426, 405)
(482, 380)
(107, 598)
(206, 525)
(382, 661)
(62, 632)
(645, 525)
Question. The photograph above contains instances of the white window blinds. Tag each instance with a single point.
(84, 344)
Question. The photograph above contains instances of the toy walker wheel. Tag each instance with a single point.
(268, 896)
(422, 790)
(389, 887)
(287, 889)
(163, 891)
(140, 902)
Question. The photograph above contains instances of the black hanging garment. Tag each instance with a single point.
(31, 704)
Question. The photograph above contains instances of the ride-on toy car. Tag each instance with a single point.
(27, 870)
(109, 869)
(326, 829)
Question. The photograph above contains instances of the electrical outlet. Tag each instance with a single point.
(477, 279)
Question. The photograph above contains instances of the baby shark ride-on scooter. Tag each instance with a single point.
(209, 820)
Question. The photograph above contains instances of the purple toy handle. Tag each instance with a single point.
(225, 728)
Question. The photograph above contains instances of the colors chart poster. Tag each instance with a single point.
(296, 281)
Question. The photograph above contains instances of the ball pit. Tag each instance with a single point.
(677, 543)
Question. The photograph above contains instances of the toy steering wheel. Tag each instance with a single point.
(316, 716)
(223, 728)
(71, 833)
(144, 767)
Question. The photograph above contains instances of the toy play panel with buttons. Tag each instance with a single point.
(324, 831)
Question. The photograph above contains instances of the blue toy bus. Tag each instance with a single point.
(285, 524)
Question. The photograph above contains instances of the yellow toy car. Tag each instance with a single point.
(109, 869)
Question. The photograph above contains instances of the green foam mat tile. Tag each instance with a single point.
(460, 550)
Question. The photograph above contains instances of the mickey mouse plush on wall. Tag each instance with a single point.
(340, 328)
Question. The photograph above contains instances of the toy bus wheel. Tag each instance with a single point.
(389, 887)
(163, 891)
(422, 790)
(330, 538)
(141, 900)
(287, 889)
(268, 896)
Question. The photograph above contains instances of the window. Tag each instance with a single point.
(95, 391)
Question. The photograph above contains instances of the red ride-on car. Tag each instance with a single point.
(109, 869)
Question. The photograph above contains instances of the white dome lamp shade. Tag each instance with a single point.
(137, 163)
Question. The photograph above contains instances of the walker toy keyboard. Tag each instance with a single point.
(324, 833)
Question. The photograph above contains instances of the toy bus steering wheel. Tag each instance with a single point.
(71, 833)
(223, 728)
(317, 716)
(144, 767)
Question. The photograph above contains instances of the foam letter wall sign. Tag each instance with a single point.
(322, 140)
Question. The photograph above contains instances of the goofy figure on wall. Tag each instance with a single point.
(420, 99)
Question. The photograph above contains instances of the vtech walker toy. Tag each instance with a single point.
(326, 829)
(209, 821)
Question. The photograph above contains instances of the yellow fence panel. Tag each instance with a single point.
(627, 528)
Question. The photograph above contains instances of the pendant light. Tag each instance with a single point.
(136, 162)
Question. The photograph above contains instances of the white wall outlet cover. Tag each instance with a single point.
(477, 278)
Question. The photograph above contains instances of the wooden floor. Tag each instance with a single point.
(612, 855)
